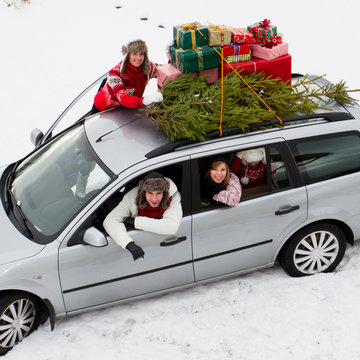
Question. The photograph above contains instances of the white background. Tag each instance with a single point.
(50, 51)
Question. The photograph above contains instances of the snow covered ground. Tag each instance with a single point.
(50, 51)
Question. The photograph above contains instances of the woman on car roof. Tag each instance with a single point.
(127, 80)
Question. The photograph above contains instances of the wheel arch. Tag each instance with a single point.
(340, 224)
(46, 308)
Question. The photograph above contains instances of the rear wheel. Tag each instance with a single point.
(315, 249)
(19, 315)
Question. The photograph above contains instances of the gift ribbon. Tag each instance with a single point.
(200, 59)
(200, 55)
(190, 27)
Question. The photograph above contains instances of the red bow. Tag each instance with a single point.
(264, 23)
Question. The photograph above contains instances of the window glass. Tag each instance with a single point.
(57, 180)
(279, 173)
(324, 158)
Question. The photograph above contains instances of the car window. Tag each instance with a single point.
(260, 171)
(278, 168)
(327, 157)
(178, 173)
(57, 180)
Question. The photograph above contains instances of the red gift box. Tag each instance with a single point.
(240, 35)
(236, 49)
(278, 68)
(263, 29)
(275, 40)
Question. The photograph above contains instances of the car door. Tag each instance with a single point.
(229, 239)
(94, 276)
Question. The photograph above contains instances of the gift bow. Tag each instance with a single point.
(217, 27)
(189, 26)
(264, 23)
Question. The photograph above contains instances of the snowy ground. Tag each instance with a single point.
(53, 49)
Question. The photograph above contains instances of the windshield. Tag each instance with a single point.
(55, 182)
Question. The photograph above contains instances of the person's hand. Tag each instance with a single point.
(151, 98)
(129, 222)
(135, 250)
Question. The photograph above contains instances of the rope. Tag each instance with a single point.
(222, 80)
(222, 61)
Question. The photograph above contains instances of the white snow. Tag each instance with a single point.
(50, 51)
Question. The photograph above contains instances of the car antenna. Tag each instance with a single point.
(106, 134)
(110, 132)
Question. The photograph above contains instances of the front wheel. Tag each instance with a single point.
(19, 315)
(315, 249)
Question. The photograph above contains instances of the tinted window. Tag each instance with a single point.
(322, 158)
(279, 172)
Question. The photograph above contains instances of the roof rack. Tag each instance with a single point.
(329, 116)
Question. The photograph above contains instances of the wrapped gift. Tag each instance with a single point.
(277, 39)
(237, 58)
(236, 49)
(279, 67)
(215, 33)
(263, 29)
(269, 52)
(241, 36)
(186, 37)
(211, 74)
(188, 61)
(166, 72)
(169, 72)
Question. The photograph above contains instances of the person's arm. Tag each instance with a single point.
(232, 194)
(113, 223)
(168, 224)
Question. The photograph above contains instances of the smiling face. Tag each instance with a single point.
(154, 197)
(136, 58)
(218, 172)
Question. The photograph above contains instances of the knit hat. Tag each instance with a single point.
(136, 46)
(153, 181)
(253, 155)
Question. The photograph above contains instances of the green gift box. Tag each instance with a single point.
(188, 61)
(187, 37)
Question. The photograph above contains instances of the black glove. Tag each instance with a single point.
(129, 223)
(136, 251)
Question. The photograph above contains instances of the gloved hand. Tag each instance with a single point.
(136, 251)
(155, 97)
(129, 222)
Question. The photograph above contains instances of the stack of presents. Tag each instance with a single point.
(196, 49)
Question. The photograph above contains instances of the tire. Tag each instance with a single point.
(318, 248)
(19, 316)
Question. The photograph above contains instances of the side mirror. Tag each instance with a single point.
(94, 237)
(36, 136)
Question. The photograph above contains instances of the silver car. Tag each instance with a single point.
(57, 260)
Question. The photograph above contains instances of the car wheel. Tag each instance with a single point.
(315, 249)
(19, 315)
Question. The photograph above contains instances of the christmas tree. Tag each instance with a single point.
(192, 108)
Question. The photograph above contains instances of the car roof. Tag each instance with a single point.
(123, 137)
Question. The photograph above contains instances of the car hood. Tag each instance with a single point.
(14, 245)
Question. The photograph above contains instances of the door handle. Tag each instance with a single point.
(173, 241)
(286, 209)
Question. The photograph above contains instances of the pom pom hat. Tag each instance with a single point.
(136, 46)
(153, 182)
(253, 155)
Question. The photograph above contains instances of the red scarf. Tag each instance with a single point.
(137, 76)
(152, 212)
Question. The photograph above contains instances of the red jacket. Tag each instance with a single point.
(119, 89)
